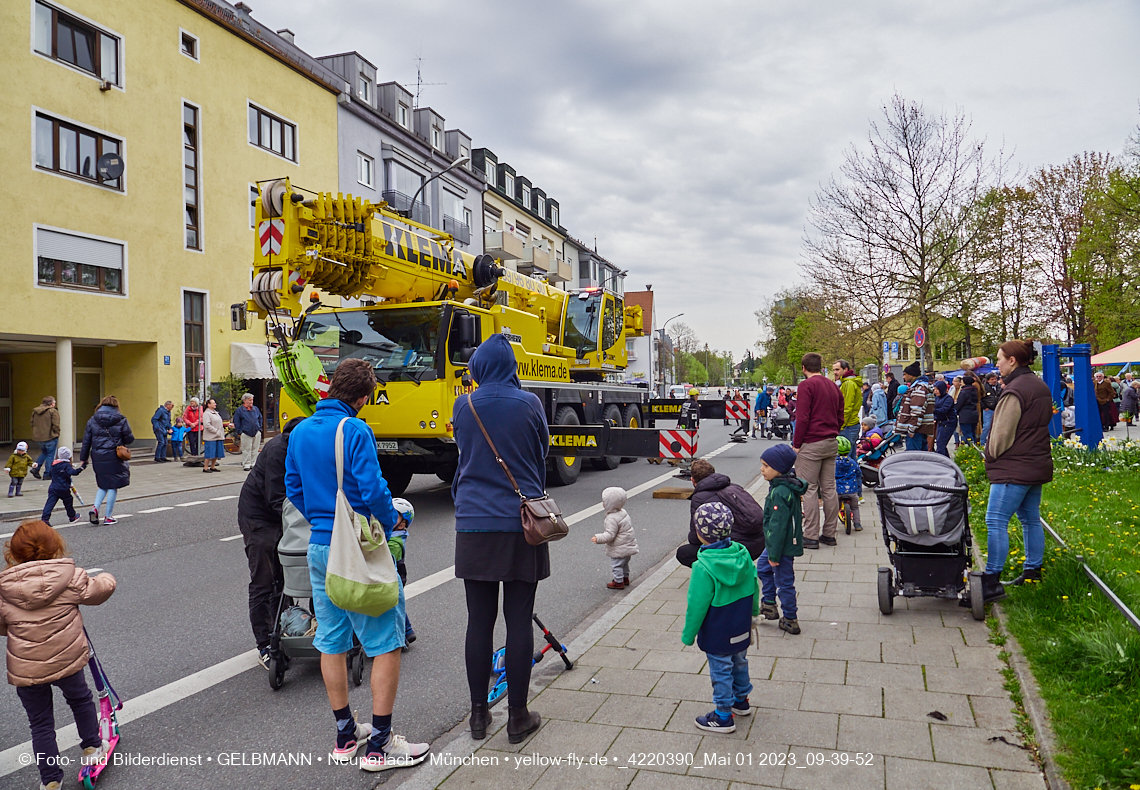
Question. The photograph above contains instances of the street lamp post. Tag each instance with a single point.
(661, 352)
(457, 163)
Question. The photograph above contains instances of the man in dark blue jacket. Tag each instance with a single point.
(247, 422)
(160, 422)
(763, 404)
(311, 485)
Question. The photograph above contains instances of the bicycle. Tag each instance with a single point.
(846, 517)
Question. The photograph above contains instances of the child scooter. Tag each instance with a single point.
(499, 663)
(109, 702)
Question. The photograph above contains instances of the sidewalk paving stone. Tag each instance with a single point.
(854, 682)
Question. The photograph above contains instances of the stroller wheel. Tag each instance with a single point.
(977, 600)
(886, 591)
(358, 667)
(276, 673)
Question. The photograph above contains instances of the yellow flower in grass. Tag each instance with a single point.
(1064, 597)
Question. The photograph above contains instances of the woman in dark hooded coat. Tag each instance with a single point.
(106, 430)
(490, 547)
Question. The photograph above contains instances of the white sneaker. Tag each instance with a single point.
(397, 753)
(93, 755)
(50, 786)
(344, 754)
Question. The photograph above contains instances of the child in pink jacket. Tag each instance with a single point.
(40, 593)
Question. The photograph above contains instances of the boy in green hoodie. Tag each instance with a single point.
(783, 535)
(723, 598)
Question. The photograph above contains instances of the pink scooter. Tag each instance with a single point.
(109, 702)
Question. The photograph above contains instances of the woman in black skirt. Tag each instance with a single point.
(490, 547)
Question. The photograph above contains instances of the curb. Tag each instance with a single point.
(458, 744)
(1035, 707)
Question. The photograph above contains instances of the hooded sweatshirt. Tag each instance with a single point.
(60, 473)
(618, 535)
(484, 498)
(723, 597)
(747, 515)
(39, 613)
(878, 402)
(310, 483)
(851, 388)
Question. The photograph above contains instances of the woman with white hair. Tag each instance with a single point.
(192, 419)
(878, 403)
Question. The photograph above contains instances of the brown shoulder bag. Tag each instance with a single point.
(541, 518)
(121, 452)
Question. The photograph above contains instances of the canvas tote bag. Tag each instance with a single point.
(361, 575)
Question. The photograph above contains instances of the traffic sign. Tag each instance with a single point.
(919, 337)
(886, 369)
(894, 348)
(886, 347)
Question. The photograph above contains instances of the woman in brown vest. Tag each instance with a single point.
(1018, 462)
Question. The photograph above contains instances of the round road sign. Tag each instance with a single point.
(919, 337)
(886, 369)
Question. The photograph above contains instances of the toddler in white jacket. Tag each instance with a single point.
(618, 536)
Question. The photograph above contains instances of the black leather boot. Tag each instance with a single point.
(992, 589)
(480, 720)
(1027, 575)
(521, 723)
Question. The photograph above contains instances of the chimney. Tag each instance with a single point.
(243, 8)
(286, 34)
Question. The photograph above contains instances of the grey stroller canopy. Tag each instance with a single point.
(923, 498)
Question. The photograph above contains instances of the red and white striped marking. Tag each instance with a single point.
(271, 232)
(736, 409)
(678, 444)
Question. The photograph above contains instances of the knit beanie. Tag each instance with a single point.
(781, 458)
(713, 521)
(913, 369)
(63, 453)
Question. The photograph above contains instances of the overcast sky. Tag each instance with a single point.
(689, 137)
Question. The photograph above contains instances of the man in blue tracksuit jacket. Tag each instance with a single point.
(311, 485)
(160, 423)
(760, 416)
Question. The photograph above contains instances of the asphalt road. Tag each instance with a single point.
(180, 609)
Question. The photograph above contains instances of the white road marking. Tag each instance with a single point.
(231, 537)
(163, 696)
(191, 504)
(126, 515)
(221, 498)
(7, 535)
(93, 571)
(156, 510)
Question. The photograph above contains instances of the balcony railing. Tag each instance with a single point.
(459, 231)
(420, 212)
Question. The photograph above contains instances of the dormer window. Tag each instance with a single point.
(526, 196)
(509, 183)
(402, 115)
(489, 168)
(541, 207)
(364, 89)
(554, 216)
(436, 138)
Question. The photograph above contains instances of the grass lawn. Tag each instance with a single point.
(1084, 654)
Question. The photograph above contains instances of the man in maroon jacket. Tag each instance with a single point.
(819, 416)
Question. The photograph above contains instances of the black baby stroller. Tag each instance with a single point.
(291, 638)
(781, 423)
(925, 506)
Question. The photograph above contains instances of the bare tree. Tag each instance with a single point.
(910, 199)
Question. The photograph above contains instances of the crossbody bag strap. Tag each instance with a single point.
(494, 450)
(340, 455)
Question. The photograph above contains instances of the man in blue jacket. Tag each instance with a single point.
(160, 422)
(311, 485)
(763, 404)
(247, 422)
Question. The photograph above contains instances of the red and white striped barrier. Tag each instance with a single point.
(736, 409)
(678, 444)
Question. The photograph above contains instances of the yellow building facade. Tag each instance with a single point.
(121, 283)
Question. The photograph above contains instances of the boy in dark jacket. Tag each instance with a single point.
(60, 473)
(747, 515)
(848, 482)
(723, 598)
(783, 535)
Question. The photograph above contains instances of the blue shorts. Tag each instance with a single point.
(216, 448)
(335, 626)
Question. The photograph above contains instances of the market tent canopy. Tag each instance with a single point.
(251, 361)
(1121, 355)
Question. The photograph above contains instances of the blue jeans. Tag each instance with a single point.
(1007, 499)
(969, 432)
(105, 493)
(852, 434)
(916, 442)
(47, 453)
(730, 680)
(159, 445)
(781, 579)
(987, 421)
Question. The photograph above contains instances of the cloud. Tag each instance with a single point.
(689, 137)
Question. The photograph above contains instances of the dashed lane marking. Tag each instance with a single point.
(191, 504)
(231, 537)
(156, 510)
(222, 498)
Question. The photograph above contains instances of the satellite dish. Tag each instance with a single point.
(110, 166)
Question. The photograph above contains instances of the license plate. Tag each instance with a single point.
(389, 447)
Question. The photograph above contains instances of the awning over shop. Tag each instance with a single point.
(1121, 355)
(251, 361)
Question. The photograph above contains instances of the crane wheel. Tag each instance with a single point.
(631, 419)
(612, 415)
(565, 470)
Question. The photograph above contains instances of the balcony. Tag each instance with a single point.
(459, 231)
(535, 261)
(560, 272)
(420, 212)
(504, 246)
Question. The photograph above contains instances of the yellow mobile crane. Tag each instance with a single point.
(421, 309)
